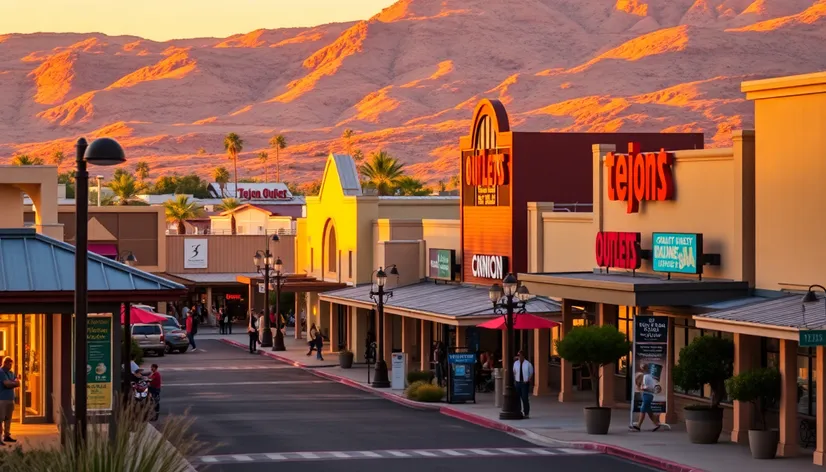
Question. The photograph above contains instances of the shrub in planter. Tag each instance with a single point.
(412, 391)
(708, 360)
(430, 393)
(417, 375)
(594, 347)
(762, 388)
(345, 358)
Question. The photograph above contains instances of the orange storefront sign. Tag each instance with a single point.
(486, 170)
(638, 176)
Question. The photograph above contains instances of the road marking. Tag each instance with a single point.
(425, 453)
(384, 454)
(271, 382)
(512, 451)
(482, 452)
(212, 368)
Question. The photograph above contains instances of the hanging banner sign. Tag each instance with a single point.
(98, 363)
(677, 252)
(650, 364)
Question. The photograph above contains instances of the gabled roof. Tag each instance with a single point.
(347, 173)
(447, 301)
(250, 206)
(37, 265)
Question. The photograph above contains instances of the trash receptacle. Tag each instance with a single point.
(497, 387)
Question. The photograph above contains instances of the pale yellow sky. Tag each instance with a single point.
(170, 19)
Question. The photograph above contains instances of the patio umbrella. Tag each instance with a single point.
(139, 315)
(521, 321)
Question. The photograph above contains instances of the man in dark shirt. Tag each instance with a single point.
(8, 382)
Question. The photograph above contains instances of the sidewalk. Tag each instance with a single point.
(552, 421)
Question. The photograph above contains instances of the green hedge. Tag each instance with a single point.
(418, 375)
(412, 390)
(430, 393)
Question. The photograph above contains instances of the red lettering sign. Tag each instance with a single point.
(486, 170)
(266, 194)
(637, 176)
(233, 296)
(618, 250)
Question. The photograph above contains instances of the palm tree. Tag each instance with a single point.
(228, 204)
(125, 187)
(26, 160)
(409, 186)
(348, 136)
(382, 172)
(358, 156)
(221, 176)
(263, 157)
(454, 181)
(181, 209)
(142, 170)
(233, 144)
(57, 158)
(278, 142)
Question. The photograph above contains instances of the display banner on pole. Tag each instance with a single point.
(650, 363)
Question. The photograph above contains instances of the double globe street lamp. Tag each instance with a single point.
(266, 264)
(102, 152)
(380, 296)
(507, 299)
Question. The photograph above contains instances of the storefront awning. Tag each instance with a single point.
(295, 283)
(212, 279)
(39, 270)
(454, 304)
(781, 317)
(625, 289)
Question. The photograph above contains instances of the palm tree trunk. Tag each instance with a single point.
(235, 163)
(181, 227)
(277, 167)
(232, 224)
(266, 173)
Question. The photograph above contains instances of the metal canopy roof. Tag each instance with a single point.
(37, 265)
(787, 312)
(440, 300)
(626, 289)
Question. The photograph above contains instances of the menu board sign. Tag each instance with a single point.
(461, 384)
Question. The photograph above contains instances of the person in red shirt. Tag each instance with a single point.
(155, 390)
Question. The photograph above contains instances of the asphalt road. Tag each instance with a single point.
(258, 414)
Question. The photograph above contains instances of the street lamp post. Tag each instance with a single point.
(507, 299)
(381, 380)
(264, 263)
(102, 152)
(278, 281)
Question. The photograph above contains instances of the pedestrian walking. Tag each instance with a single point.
(155, 390)
(192, 328)
(252, 329)
(8, 382)
(523, 374)
(438, 361)
(319, 344)
(311, 340)
(647, 385)
(222, 328)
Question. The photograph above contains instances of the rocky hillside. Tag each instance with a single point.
(406, 79)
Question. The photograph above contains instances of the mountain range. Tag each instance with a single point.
(405, 80)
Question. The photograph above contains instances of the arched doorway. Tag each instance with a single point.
(329, 252)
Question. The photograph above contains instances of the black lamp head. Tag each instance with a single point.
(275, 238)
(104, 152)
(393, 270)
(810, 297)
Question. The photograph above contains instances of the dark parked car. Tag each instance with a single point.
(175, 335)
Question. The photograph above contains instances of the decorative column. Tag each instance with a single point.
(334, 327)
(387, 337)
(820, 408)
(606, 315)
(210, 315)
(358, 326)
(408, 337)
(461, 336)
(541, 355)
(566, 374)
(788, 399)
(745, 349)
(424, 345)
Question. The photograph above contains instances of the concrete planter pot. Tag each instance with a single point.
(763, 444)
(704, 424)
(597, 420)
(345, 359)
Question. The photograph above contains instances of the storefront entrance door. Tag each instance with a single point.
(22, 337)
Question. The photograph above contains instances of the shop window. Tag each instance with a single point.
(625, 325)
(331, 250)
(554, 338)
(350, 264)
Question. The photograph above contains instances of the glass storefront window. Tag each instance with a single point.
(625, 325)
(23, 338)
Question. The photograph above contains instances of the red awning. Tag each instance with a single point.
(141, 316)
(104, 249)
(521, 321)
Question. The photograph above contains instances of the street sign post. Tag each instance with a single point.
(812, 337)
(461, 377)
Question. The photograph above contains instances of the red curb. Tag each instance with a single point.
(635, 456)
(479, 420)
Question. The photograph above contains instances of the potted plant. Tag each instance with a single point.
(760, 387)
(345, 357)
(708, 360)
(594, 347)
